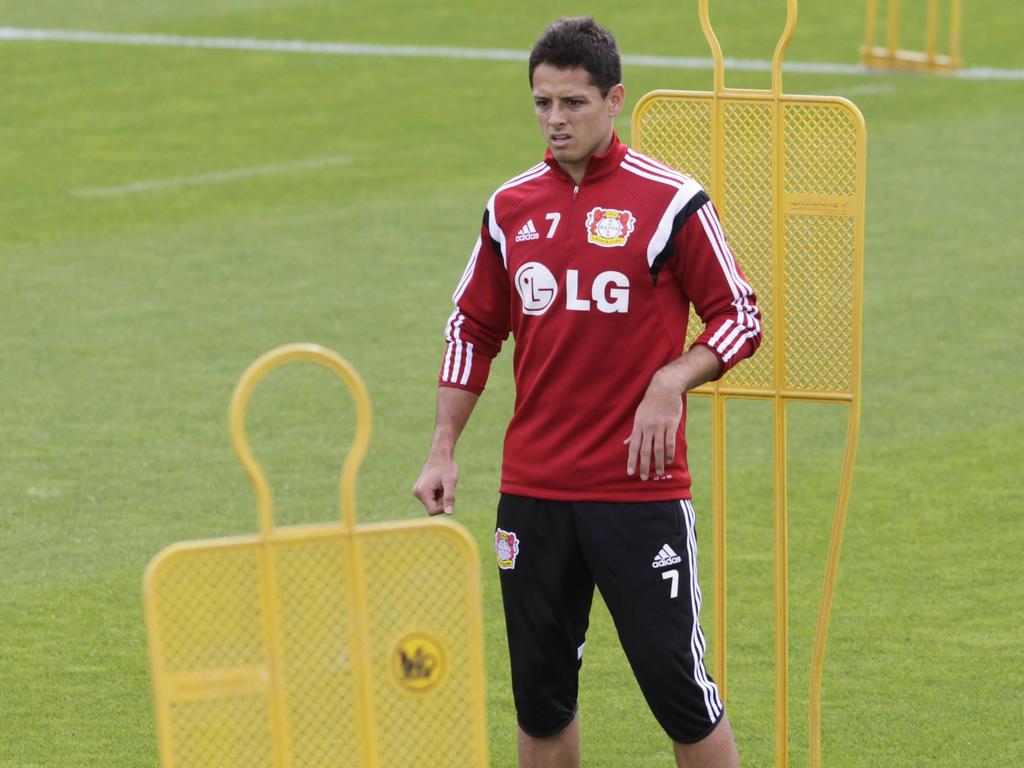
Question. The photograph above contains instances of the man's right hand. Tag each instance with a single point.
(435, 487)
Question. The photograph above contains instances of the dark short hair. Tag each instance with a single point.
(580, 42)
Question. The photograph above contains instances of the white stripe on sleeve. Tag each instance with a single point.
(746, 315)
(731, 260)
(451, 364)
(468, 274)
(664, 230)
(727, 356)
(456, 366)
(448, 353)
(469, 363)
(721, 331)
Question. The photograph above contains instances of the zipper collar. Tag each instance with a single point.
(597, 166)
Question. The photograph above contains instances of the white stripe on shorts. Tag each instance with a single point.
(697, 644)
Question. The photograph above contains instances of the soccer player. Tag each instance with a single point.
(591, 259)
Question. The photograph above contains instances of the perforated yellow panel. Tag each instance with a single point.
(787, 174)
(816, 197)
(318, 646)
(819, 275)
(317, 626)
(426, 724)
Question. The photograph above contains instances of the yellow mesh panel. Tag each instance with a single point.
(746, 203)
(210, 610)
(406, 575)
(819, 166)
(318, 652)
(227, 733)
(678, 133)
(819, 296)
(215, 670)
(820, 150)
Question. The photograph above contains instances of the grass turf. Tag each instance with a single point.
(127, 320)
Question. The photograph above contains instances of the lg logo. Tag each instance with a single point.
(537, 287)
(538, 290)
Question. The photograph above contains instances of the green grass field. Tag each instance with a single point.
(128, 314)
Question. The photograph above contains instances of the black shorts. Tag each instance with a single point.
(643, 558)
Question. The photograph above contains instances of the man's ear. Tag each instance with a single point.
(616, 99)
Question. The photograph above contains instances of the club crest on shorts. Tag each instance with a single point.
(609, 227)
(506, 545)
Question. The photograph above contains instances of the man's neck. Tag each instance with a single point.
(578, 169)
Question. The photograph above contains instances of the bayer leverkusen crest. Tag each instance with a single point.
(506, 546)
(608, 227)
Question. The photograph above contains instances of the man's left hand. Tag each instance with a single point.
(654, 429)
(657, 418)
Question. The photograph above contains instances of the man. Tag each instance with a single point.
(591, 260)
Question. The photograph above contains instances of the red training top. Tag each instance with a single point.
(595, 283)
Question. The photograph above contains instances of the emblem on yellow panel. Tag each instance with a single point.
(418, 663)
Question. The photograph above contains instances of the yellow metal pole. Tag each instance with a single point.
(312, 353)
(777, 56)
(268, 572)
(274, 650)
(932, 30)
(716, 49)
(846, 475)
(831, 571)
(720, 571)
(157, 662)
(872, 21)
(718, 432)
(781, 516)
(894, 27)
(954, 33)
(781, 536)
(239, 404)
(365, 699)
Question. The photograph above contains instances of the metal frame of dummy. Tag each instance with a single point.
(651, 126)
(891, 56)
(265, 679)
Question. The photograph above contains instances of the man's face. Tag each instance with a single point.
(574, 117)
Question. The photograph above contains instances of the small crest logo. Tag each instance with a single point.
(417, 663)
(609, 228)
(506, 545)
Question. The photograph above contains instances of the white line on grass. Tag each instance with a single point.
(42, 493)
(441, 52)
(214, 177)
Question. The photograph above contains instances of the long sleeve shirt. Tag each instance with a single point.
(595, 282)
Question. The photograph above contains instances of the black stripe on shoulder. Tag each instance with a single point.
(494, 243)
(695, 204)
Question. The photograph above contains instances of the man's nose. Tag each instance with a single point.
(555, 116)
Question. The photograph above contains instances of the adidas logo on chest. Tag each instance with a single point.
(666, 556)
(528, 232)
